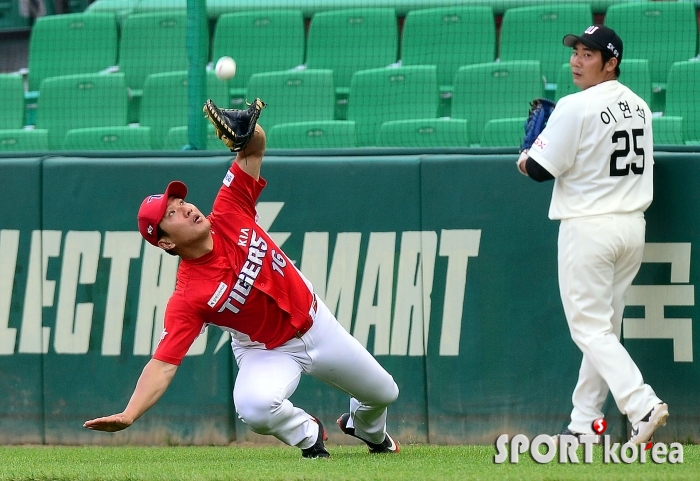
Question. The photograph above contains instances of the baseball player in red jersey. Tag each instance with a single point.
(234, 276)
(598, 148)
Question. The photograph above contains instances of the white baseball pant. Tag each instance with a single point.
(267, 378)
(599, 256)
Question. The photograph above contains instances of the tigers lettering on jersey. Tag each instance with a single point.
(249, 273)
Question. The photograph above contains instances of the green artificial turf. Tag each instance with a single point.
(254, 462)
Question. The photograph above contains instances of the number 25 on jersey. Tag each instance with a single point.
(622, 139)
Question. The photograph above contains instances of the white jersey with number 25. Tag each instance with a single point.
(598, 145)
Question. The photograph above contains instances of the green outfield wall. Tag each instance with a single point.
(442, 264)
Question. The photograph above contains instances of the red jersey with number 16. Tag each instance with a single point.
(246, 283)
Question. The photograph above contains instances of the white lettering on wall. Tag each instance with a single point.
(414, 285)
(9, 246)
(81, 253)
(337, 288)
(120, 248)
(158, 271)
(374, 303)
(655, 324)
(39, 293)
(458, 246)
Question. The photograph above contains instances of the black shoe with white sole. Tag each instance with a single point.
(387, 446)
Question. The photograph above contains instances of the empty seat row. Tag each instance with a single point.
(489, 106)
(431, 133)
(482, 93)
(216, 8)
(114, 138)
(99, 100)
(413, 133)
(346, 41)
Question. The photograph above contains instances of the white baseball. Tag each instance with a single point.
(225, 68)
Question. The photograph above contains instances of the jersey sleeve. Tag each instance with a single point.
(556, 147)
(181, 328)
(239, 193)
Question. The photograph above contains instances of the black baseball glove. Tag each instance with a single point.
(540, 110)
(234, 127)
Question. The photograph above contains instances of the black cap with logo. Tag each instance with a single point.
(598, 37)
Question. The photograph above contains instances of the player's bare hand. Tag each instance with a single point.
(110, 424)
(521, 162)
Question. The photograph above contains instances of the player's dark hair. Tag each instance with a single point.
(162, 233)
(607, 56)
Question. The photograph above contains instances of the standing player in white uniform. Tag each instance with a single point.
(598, 147)
(234, 276)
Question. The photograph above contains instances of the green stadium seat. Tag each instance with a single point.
(420, 133)
(329, 134)
(634, 73)
(19, 140)
(495, 90)
(683, 97)
(151, 43)
(391, 93)
(668, 130)
(350, 40)
(294, 96)
(565, 82)
(177, 139)
(108, 138)
(549, 23)
(71, 44)
(436, 36)
(259, 41)
(12, 101)
(165, 101)
(165, 104)
(403, 7)
(150, 6)
(662, 32)
(80, 101)
(504, 132)
(120, 8)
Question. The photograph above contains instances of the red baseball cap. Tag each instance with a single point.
(153, 208)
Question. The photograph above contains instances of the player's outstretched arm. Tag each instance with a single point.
(152, 383)
(250, 158)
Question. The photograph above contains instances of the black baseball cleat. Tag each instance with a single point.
(387, 446)
(318, 450)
